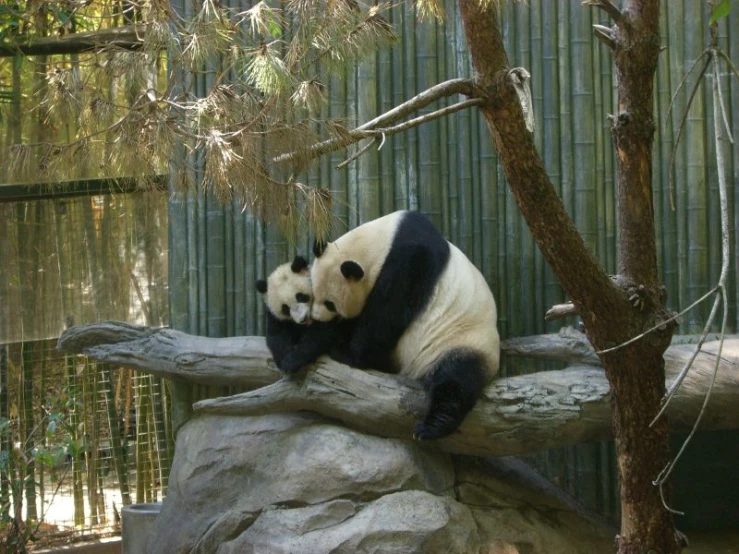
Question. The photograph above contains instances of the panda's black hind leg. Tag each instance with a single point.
(452, 388)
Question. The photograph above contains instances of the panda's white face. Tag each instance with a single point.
(287, 292)
(345, 271)
(340, 288)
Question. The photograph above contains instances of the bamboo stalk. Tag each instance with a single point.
(27, 425)
(733, 168)
(92, 437)
(5, 438)
(142, 451)
(551, 122)
(410, 86)
(368, 197)
(537, 53)
(114, 430)
(399, 144)
(429, 180)
(665, 216)
(75, 453)
(696, 197)
(385, 75)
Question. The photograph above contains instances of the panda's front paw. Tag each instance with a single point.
(291, 363)
(422, 432)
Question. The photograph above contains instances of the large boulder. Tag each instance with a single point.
(295, 483)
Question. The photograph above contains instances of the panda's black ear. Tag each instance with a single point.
(352, 270)
(261, 285)
(299, 264)
(319, 246)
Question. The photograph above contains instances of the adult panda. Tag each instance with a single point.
(292, 339)
(419, 307)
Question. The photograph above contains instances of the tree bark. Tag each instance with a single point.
(130, 37)
(516, 415)
(613, 309)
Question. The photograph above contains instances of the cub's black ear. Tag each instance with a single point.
(299, 264)
(319, 246)
(261, 285)
(352, 270)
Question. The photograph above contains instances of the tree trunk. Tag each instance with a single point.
(516, 415)
(613, 309)
(636, 373)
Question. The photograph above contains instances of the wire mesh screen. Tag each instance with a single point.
(80, 439)
(79, 260)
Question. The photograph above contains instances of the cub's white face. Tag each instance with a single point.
(289, 295)
(339, 286)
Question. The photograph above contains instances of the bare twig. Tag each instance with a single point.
(725, 251)
(416, 121)
(442, 90)
(659, 325)
(689, 363)
(358, 153)
(725, 234)
(607, 6)
(728, 61)
(719, 96)
(665, 473)
(683, 120)
(684, 79)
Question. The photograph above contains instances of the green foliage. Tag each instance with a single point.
(721, 10)
(10, 20)
(53, 448)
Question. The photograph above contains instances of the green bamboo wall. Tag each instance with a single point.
(448, 169)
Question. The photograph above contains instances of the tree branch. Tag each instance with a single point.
(127, 38)
(516, 415)
(559, 311)
(586, 282)
(605, 35)
(442, 90)
(607, 6)
(236, 361)
(568, 345)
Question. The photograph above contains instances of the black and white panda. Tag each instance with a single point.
(419, 308)
(292, 338)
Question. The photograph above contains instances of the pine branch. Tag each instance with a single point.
(379, 124)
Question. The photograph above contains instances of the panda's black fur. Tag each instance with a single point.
(423, 298)
(295, 345)
(419, 253)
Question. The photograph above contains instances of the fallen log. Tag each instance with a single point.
(516, 415)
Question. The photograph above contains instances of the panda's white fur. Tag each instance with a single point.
(462, 314)
(459, 313)
(283, 286)
(293, 339)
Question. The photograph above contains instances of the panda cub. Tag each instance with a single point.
(292, 338)
(419, 308)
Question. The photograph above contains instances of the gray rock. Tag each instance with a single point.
(242, 465)
(407, 522)
(294, 483)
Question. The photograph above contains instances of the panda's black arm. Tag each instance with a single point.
(281, 337)
(319, 339)
(402, 291)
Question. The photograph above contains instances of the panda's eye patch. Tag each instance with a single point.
(330, 306)
(285, 309)
(302, 298)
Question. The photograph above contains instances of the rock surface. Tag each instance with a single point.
(294, 483)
